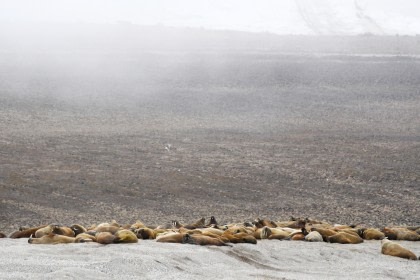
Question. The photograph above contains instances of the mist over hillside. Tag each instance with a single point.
(101, 119)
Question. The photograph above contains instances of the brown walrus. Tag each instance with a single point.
(396, 250)
(212, 222)
(44, 231)
(266, 232)
(125, 236)
(174, 237)
(325, 232)
(25, 233)
(84, 237)
(241, 237)
(197, 224)
(105, 237)
(63, 230)
(145, 233)
(298, 235)
(51, 239)
(259, 223)
(371, 234)
(400, 233)
(314, 236)
(2, 235)
(198, 239)
(78, 229)
(345, 238)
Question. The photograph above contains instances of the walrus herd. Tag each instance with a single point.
(213, 233)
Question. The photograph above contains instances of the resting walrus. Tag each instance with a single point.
(396, 250)
(25, 233)
(203, 240)
(51, 239)
(345, 238)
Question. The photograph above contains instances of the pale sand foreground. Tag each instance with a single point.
(152, 260)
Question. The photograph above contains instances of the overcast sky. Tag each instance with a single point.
(283, 17)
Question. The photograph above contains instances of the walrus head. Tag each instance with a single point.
(304, 231)
(186, 238)
(248, 224)
(265, 232)
(212, 221)
(360, 232)
(77, 229)
(176, 224)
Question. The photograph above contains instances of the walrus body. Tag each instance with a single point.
(125, 236)
(25, 233)
(105, 237)
(325, 232)
(401, 234)
(2, 235)
(52, 239)
(170, 238)
(197, 224)
(44, 231)
(145, 233)
(241, 237)
(396, 250)
(78, 229)
(371, 234)
(202, 240)
(314, 236)
(345, 238)
(84, 237)
(66, 231)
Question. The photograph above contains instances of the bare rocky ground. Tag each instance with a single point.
(251, 135)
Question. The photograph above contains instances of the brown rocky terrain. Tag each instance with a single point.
(159, 136)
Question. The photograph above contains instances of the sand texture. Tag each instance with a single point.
(152, 260)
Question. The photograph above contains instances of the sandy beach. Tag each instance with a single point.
(152, 260)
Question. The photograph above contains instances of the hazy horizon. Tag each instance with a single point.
(299, 17)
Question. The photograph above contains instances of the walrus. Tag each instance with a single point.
(84, 237)
(371, 234)
(203, 240)
(145, 233)
(298, 235)
(51, 238)
(259, 223)
(237, 229)
(325, 232)
(197, 224)
(125, 236)
(212, 222)
(62, 230)
(398, 233)
(2, 235)
(105, 237)
(295, 224)
(241, 237)
(344, 238)
(266, 232)
(137, 225)
(174, 237)
(78, 229)
(396, 250)
(44, 231)
(25, 233)
(314, 236)
(212, 230)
